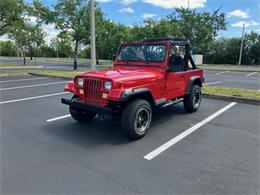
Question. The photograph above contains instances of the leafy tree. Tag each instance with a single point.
(109, 36)
(226, 51)
(154, 29)
(46, 51)
(10, 14)
(251, 53)
(62, 45)
(73, 19)
(201, 28)
(7, 48)
(26, 37)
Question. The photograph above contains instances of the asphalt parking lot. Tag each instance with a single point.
(213, 151)
(233, 79)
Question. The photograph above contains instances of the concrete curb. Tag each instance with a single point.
(232, 99)
(209, 96)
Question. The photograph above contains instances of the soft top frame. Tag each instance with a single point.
(174, 41)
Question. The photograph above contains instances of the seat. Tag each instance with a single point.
(177, 63)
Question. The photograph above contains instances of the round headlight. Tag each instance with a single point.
(108, 85)
(80, 82)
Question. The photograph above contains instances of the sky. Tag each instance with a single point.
(131, 12)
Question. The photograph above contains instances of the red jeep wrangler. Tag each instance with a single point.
(145, 75)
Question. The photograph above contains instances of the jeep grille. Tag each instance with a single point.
(93, 91)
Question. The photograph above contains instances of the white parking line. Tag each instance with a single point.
(248, 75)
(32, 98)
(222, 72)
(178, 138)
(31, 79)
(27, 86)
(212, 83)
(58, 118)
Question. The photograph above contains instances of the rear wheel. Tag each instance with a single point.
(79, 115)
(136, 119)
(192, 101)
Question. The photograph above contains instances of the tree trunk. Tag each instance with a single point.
(31, 54)
(76, 51)
(24, 58)
(97, 60)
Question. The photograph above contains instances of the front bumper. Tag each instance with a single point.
(88, 107)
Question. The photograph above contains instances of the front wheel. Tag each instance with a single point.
(192, 101)
(136, 119)
(79, 115)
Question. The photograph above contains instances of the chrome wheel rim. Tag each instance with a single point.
(196, 99)
(142, 120)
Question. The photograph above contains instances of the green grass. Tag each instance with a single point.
(232, 92)
(69, 74)
(230, 67)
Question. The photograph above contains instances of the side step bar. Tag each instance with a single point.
(171, 102)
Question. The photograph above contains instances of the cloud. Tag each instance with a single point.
(169, 4)
(30, 19)
(148, 15)
(4, 38)
(127, 2)
(247, 24)
(51, 32)
(239, 13)
(126, 10)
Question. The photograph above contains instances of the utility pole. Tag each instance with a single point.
(241, 47)
(57, 45)
(188, 4)
(93, 34)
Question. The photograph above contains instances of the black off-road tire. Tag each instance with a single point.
(79, 115)
(192, 101)
(131, 122)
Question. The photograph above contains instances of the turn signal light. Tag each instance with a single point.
(104, 95)
(81, 91)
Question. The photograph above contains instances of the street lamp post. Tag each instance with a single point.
(241, 47)
(93, 34)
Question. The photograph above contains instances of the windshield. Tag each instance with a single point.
(142, 53)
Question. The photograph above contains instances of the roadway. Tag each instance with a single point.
(43, 150)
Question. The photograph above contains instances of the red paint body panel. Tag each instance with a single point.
(70, 87)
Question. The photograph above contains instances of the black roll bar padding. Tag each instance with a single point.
(192, 62)
(188, 55)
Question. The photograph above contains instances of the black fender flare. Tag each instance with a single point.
(138, 92)
(193, 80)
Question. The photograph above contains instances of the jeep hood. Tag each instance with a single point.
(126, 74)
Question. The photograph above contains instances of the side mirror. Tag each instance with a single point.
(114, 58)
